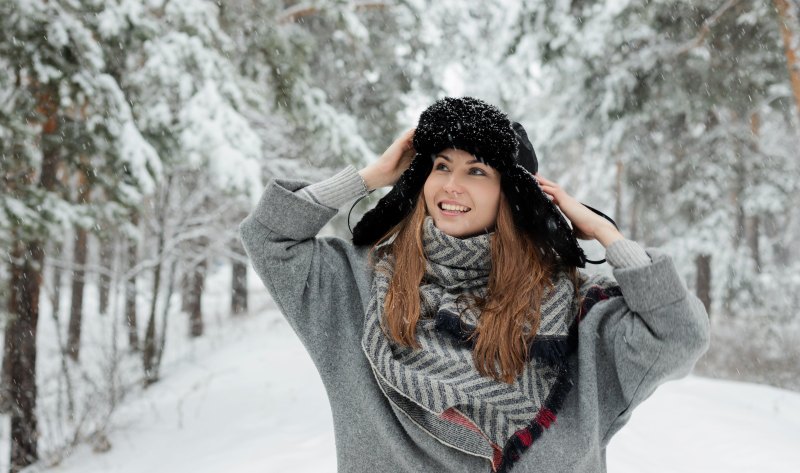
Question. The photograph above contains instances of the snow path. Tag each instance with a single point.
(255, 404)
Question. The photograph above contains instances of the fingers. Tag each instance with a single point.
(547, 186)
(408, 136)
(542, 180)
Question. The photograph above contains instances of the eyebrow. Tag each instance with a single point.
(447, 158)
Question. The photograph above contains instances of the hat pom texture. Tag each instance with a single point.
(470, 125)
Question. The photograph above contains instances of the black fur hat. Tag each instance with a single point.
(484, 131)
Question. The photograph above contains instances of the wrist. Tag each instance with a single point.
(607, 234)
(370, 177)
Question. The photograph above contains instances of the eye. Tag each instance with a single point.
(480, 171)
(439, 166)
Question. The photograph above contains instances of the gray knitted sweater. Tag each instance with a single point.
(627, 345)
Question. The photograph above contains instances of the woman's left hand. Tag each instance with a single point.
(588, 225)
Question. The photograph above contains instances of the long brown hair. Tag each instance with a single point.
(511, 310)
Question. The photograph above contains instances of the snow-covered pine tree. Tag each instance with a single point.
(190, 102)
(62, 109)
(667, 94)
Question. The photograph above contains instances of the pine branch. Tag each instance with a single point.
(705, 29)
(294, 13)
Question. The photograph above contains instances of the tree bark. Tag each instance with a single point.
(195, 304)
(19, 350)
(76, 305)
(752, 222)
(186, 290)
(238, 281)
(56, 252)
(618, 194)
(752, 234)
(78, 277)
(165, 314)
(785, 19)
(130, 291)
(634, 216)
(19, 357)
(106, 265)
(150, 341)
(703, 285)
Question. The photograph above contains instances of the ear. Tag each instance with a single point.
(394, 206)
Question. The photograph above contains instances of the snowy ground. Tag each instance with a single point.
(255, 404)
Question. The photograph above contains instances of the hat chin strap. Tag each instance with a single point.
(605, 217)
(351, 210)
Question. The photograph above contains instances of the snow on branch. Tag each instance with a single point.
(706, 27)
(295, 12)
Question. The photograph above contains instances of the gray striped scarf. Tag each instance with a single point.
(437, 386)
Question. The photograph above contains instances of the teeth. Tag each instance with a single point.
(458, 208)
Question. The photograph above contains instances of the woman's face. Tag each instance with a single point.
(462, 194)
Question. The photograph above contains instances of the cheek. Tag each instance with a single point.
(492, 197)
(428, 192)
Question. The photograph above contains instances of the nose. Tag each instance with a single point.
(452, 186)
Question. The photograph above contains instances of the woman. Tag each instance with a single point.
(456, 332)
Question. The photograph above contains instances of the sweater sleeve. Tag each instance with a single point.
(654, 332)
(318, 283)
(626, 254)
(337, 190)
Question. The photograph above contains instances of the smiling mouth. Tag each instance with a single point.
(450, 209)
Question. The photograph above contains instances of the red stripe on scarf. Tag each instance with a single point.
(452, 415)
(456, 417)
(525, 437)
(545, 417)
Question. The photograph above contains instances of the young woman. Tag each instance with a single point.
(456, 332)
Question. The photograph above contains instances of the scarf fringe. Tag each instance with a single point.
(524, 438)
(547, 350)
(452, 324)
(546, 416)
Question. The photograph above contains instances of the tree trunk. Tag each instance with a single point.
(78, 277)
(238, 281)
(618, 194)
(634, 216)
(149, 351)
(752, 233)
(19, 356)
(106, 266)
(56, 252)
(774, 229)
(785, 20)
(703, 285)
(165, 313)
(195, 304)
(752, 223)
(19, 350)
(76, 306)
(186, 290)
(130, 291)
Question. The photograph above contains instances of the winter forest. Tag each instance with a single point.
(135, 135)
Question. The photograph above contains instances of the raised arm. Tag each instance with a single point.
(314, 281)
(654, 332)
(646, 327)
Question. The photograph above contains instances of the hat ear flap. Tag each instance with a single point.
(395, 205)
(538, 216)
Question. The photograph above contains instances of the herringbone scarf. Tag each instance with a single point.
(437, 386)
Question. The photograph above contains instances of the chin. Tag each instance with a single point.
(456, 231)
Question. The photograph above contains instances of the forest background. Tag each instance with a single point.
(136, 134)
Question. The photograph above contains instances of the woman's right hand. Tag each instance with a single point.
(392, 163)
